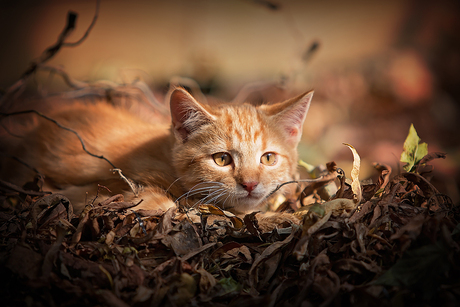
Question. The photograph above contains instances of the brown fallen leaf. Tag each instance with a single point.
(184, 240)
(25, 262)
(213, 210)
(267, 253)
(429, 157)
(355, 185)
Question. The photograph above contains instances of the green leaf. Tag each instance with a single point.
(413, 151)
(229, 285)
(422, 151)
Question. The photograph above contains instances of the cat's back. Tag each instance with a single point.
(97, 118)
(55, 149)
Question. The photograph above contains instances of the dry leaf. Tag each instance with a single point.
(355, 185)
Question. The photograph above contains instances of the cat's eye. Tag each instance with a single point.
(222, 158)
(268, 158)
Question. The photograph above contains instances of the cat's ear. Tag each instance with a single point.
(187, 114)
(290, 115)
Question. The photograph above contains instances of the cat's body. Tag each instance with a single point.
(231, 155)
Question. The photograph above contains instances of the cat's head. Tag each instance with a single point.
(235, 155)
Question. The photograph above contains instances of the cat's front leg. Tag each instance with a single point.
(151, 198)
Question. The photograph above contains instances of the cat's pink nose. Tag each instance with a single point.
(249, 186)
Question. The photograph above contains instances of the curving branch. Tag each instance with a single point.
(48, 54)
(91, 26)
(131, 184)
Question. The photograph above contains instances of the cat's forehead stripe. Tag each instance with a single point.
(245, 124)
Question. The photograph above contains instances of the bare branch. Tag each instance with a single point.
(48, 54)
(15, 188)
(131, 184)
(62, 127)
(23, 163)
(93, 22)
(134, 187)
(194, 87)
(71, 82)
(325, 178)
(105, 88)
(252, 87)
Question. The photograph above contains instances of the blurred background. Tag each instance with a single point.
(375, 66)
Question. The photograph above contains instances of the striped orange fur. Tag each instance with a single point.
(232, 155)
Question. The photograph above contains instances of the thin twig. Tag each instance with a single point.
(328, 177)
(23, 163)
(252, 87)
(15, 188)
(105, 88)
(93, 22)
(8, 131)
(62, 127)
(132, 185)
(71, 82)
(177, 81)
(49, 53)
(99, 187)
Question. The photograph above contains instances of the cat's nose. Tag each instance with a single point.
(249, 186)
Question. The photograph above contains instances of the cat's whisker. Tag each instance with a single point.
(193, 158)
(232, 199)
(279, 186)
(229, 195)
(196, 191)
(216, 198)
(203, 200)
(174, 182)
(223, 203)
(211, 195)
(192, 193)
(209, 183)
(211, 190)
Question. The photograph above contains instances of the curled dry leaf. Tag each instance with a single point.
(429, 157)
(184, 240)
(50, 208)
(269, 221)
(213, 210)
(384, 178)
(252, 224)
(359, 214)
(324, 211)
(207, 281)
(355, 185)
(323, 183)
(267, 253)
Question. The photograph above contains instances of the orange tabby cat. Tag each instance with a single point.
(231, 155)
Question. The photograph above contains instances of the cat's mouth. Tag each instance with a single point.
(248, 202)
(251, 196)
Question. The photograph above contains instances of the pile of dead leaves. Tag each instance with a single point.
(399, 246)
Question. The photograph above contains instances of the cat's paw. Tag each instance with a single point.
(268, 221)
(152, 199)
